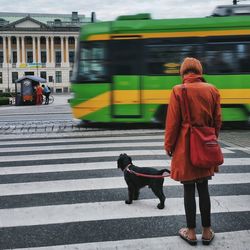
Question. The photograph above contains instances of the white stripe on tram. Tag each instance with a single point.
(101, 184)
(227, 240)
(54, 214)
(103, 165)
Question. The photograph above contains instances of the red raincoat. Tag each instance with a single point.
(204, 105)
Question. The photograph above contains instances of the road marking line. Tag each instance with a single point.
(98, 139)
(57, 156)
(225, 240)
(101, 184)
(102, 211)
(103, 165)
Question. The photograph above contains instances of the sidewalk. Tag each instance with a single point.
(61, 108)
(240, 138)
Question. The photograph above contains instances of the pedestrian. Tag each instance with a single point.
(204, 106)
(46, 92)
(39, 94)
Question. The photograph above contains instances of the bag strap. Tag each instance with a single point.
(185, 100)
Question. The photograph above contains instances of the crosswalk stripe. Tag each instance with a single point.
(83, 139)
(93, 146)
(83, 146)
(92, 132)
(227, 240)
(102, 211)
(101, 183)
(92, 154)
(102, 165)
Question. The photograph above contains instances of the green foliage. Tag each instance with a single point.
(4, 100)
(7, 94)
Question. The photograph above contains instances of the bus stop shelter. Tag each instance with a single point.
(25, 88)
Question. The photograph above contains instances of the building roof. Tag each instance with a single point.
(63, 20)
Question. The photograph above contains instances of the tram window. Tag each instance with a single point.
(92, 62)
(227, 58)
(166, 59)
(126, 57)
(244, 57)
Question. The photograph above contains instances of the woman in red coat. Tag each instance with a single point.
(204, 105)
(39, 95)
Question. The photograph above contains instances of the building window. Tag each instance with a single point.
(70, 74)
(28, 40)
(58, 76)
(13, 40)
(71, 40)
(1, 77)
(14, 76)
(51, 79)
(29, 57)
(14, 57)
(43, 74)
(43, 57)
(71, 56)
(43, 40)
(65, 90)
(1, 56)
(58, 90)
(57, 40)
(58, 57)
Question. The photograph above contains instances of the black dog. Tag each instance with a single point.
(136, 182)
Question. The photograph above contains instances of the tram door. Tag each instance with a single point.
(126, 61)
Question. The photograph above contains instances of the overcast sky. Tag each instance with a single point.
(110, 9)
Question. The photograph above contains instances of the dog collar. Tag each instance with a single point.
(126, 168)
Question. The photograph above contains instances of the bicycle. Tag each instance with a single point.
(12, 99)
(51, 99)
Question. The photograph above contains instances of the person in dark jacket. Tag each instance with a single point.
(204, 105)
(46, 92)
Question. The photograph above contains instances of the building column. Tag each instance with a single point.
(47, 50)
(34, 48)
(67, 50)
(62, 49)
(39, 49)
(23, 50)
(52, 51)
(9, 50)
(4, 50)
(18, 49)
(75, 44)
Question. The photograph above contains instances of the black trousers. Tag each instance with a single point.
(204, 203)
(47, 98)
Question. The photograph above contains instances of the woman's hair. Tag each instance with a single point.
(191, 65)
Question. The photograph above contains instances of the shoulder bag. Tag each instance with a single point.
(205, 151)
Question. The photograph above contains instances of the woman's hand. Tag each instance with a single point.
(170, 153)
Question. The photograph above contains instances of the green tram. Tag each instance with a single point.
(125, 69)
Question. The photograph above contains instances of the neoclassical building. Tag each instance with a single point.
(38, 44)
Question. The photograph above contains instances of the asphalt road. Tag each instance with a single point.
(62, 190)
(60, 187)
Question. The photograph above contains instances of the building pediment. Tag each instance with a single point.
(26, 23)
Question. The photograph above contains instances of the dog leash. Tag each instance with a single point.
(148, 175)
